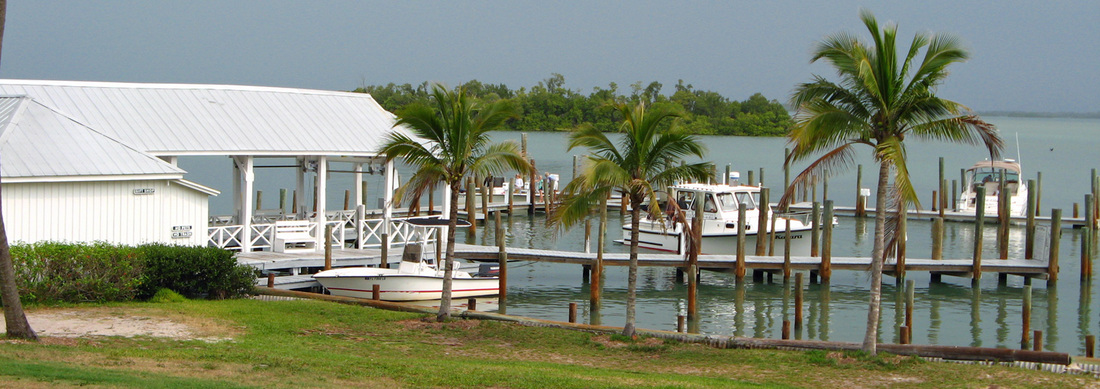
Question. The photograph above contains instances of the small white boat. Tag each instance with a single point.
(416, 278)
(720, 222)
(988, 174)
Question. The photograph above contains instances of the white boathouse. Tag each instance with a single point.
(133, 123)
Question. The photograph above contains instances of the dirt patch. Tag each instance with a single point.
(429, 323)
(93, 322)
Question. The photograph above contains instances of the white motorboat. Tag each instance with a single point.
(988, 174)
(416, 278)
(720, 222)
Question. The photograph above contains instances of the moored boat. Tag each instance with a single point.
(720, 221)
(987, 174)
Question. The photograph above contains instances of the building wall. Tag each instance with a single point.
(104, 211)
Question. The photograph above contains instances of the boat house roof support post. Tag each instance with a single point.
(358, 181)
(245, 165)
(300, 188)
(322, 195)
(387, 192)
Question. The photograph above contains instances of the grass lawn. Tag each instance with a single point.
(293, 344)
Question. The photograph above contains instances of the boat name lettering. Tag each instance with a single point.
(144, 191)
(379, 278)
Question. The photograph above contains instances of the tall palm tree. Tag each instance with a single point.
(455, 129)
(879, 101)
(14, 317)
(649, 156)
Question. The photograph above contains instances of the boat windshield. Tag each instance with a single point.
(748, 198)
(726, 202)
(992, 174)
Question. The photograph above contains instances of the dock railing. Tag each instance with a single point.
(223, 232)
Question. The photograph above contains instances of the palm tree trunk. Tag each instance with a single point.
(870, 338)
(632, 273)
(448, 260)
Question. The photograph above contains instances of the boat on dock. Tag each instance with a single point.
(720, 222)
(416, 278)
(987, 174)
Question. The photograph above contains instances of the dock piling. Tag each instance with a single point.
(787, 251)
(861, 204)
(910, 294)
(572, 312)
(937, 238)
(1029, 229)
(259, 200)
(1004, 210)
(1038, 345)
(1086, 254)
(739, 269)
(798, 302)
(270, 280)
(786, 329)
(815, 232)
(328, 246)
(502, 260)
(1026, 319)
(282, 199)
(471, 304)
(979, 223)
(1055, 242)
(943, 188)
(1090, 346)
(901, 238)
(762, 221)
(903, 335)
(385, 258)
(375, 292)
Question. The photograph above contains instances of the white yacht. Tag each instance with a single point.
(720, 222)
(988, 174)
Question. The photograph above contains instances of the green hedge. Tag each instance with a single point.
(50, 272)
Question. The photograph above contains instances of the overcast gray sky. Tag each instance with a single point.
(1025, 55)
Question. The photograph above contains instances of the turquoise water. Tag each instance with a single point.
(948, 313)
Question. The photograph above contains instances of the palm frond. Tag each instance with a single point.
(833, 162)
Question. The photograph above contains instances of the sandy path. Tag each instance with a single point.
(83, 323)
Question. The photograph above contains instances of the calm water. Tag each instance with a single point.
(948, 313)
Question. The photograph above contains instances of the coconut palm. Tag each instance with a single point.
(880, 100)
(14, 317)
(455, 129)
(648, 156)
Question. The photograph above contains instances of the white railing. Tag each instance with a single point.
(344, 231)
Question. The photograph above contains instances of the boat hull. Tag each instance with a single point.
(722, 244)
(394, 286)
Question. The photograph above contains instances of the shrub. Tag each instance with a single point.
(165, 295)
(194, 272)
(67, 272)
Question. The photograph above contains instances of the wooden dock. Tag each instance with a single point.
(951, 216)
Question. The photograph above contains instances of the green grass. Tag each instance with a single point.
(314, 344)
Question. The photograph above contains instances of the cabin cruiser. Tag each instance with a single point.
(988, 174)
(720, 207)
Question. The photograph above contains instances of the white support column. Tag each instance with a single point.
(387, 192)
(322, 195)
(246, 203)
(358, 184)
(301, 188)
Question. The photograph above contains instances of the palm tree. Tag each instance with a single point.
(455, 129)
(14, 317)
(878, 102)
(649, 156)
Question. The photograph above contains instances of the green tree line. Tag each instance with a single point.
(550, 106)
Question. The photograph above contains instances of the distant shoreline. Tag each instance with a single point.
(1018, 114)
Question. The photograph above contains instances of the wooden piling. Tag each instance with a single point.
(943, 188)
(693, 257)
(1026, 319)
(935, 201)
(681, 322)
(572, 312)
(1029, 229)
(259, 199)
(1076, 210)
(861, 206)
(270, 280)
(531, 186)
(1090, 346)
(431, 199)
(511, 198)
(937, 238)
(282, 199)
(376, 292)
(751, 181)
(825, 185)
(471, 304)
(1038, 345)
(1004, 215)
(385, 259)
(979, 222)
(955, 195)
(328, 246)
(1055, 242)
(910, 294)
(597, 267)
(787, 251)
(502, 259)
(486, 193)
(1086, 253)
(798, 302)
(726, 178)
(294, 202)
(903, 335)
(587, 236)
(762, 222)
(903, 225)
(761, 179)
(347, 199)
(815, 232)
(786, 329)
(826, 269)
(739, 269)
(1038, 193)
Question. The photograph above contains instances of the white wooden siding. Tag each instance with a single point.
(104, 211)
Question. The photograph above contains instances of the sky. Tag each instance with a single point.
(1025, 55)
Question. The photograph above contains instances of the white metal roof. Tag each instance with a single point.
(185, 119)
(40, 144)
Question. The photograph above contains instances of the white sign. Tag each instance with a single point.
(181, 228)
(181, 235)
(144, 191)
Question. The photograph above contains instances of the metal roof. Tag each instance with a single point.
(38, 143)
(187, 119)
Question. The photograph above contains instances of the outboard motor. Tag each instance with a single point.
(488, 270)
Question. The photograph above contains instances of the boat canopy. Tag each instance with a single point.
(986, 171)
